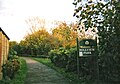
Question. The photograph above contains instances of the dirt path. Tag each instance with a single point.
(41, 74)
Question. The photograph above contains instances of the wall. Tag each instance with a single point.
(4, 49)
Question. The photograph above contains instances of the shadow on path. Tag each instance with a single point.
(40, 74)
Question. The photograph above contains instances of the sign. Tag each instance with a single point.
(87, 47)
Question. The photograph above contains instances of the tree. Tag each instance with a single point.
(24, 50)
(105, 16)
(14, 47)
(38, 42)
(36, 23)
(65, 34)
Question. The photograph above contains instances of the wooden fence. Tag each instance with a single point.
(4, 50)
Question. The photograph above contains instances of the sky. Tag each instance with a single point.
(13, 14)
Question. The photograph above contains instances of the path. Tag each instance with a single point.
(41, 74)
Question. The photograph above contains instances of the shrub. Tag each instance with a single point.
(10, 68)
(109, 69)
(107, 65)
(12, 54)
(59, 57)
(72, 60)
(65, 58)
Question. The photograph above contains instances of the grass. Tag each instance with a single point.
(45, 61)
(20, 75)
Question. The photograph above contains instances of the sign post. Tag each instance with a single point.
(77, 57)
(87, 48)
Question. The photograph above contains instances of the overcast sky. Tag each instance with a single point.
(13, 14)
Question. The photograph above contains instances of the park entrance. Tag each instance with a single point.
(87, 64)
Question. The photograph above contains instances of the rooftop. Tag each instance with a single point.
(4, 33)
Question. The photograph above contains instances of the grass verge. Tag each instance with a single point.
(20, 75)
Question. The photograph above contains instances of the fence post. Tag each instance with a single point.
(97, 64)
(77, 58)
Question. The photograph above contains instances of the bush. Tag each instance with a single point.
(109, 69)
(12, 54)
(59, 57)
(108, 65)
(65, 58)
(72, 60)
(10, 68)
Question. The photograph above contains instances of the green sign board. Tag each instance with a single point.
(87, 47)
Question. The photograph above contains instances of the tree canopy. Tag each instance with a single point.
(105, 16)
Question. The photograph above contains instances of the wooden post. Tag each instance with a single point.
(97, 64)
(78, 71)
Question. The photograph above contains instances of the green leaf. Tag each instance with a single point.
(79, 1)
(79, 8)
(74, 3)
(77, 16)
(90, 1)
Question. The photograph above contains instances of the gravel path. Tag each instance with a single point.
(41, 74)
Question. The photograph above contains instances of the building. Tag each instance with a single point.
(4, 49)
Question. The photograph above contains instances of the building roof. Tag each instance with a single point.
(4, 33)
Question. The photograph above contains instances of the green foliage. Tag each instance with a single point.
(12, 65)
(105, 16)
(59, 57)
(14, 48)
(40, 42)
(12, 54)
(10, 68)
(65, 35)
(19, 77)
(37, 43)
(72, 59)
(67, 59)
(45, 61)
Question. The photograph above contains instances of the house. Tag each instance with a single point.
(4, 50)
